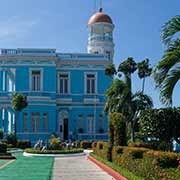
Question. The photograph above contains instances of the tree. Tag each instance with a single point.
(19, 102)
(167, 71)
(116, 132)
(121, 99)
(144, 71)
(161, 124)
(110, 70)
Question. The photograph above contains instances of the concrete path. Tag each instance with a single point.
(77, 168)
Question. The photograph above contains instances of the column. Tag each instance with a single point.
(5, 120)
(1, 124)
(1, 79)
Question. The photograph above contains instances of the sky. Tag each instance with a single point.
(62, 24)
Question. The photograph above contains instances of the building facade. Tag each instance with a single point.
(65, 92)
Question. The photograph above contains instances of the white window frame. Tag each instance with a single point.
(25, 122)
(85, 82)
(45, 121)
(80, 121)
(36, 127)
(58, 82)
(41, 79)
(90, 124)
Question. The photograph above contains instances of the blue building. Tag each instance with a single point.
(65, 92)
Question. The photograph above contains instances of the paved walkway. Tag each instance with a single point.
(77, 168)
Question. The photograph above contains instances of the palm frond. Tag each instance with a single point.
(168, 86)
(167, 62)
(170, 29)
(141, 101)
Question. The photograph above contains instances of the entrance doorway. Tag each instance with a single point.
(66, 129)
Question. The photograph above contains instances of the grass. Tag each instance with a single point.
(123, 172)
(2, 161)
(25, 168)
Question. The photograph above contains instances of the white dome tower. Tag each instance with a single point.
(100, 41)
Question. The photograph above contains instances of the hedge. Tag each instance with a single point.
(23, 144)
(3, 148)
(143, 162)
(70, 151)
(100, 149)
(85, 144)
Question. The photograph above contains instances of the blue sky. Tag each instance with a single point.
(62, 24)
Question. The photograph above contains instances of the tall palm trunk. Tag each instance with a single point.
(143, 85)
(129, 97)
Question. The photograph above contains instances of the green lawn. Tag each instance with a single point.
(2, 161)
(28, 168)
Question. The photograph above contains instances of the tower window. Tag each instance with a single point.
(108, 53)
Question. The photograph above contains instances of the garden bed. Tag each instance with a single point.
(112, 169)
(142, 162)
(53, 153)
(67, 151)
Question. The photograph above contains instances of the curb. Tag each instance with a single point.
(107, 169)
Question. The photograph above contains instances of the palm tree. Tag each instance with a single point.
(19, 102)
(121, 99)
(139, 102)
(110, 70)
(144, 71)
(167, 71)
(116, 96)
(170, 28)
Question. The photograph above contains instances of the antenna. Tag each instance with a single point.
(94, 6)
(100, 3)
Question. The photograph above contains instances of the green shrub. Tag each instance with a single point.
(10, 146)
(101, 149)
(143, 162)
(54, 135)
(85, 144)
(11, 139)
(23, 144)
(162, 124)
(163, 159)
(3, 148)
(118, 123)
(1, 134)
(54, 144)
(116, 133)
(94, 144)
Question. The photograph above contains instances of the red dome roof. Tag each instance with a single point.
(100, 17)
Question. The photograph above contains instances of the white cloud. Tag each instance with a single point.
(15, 27)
